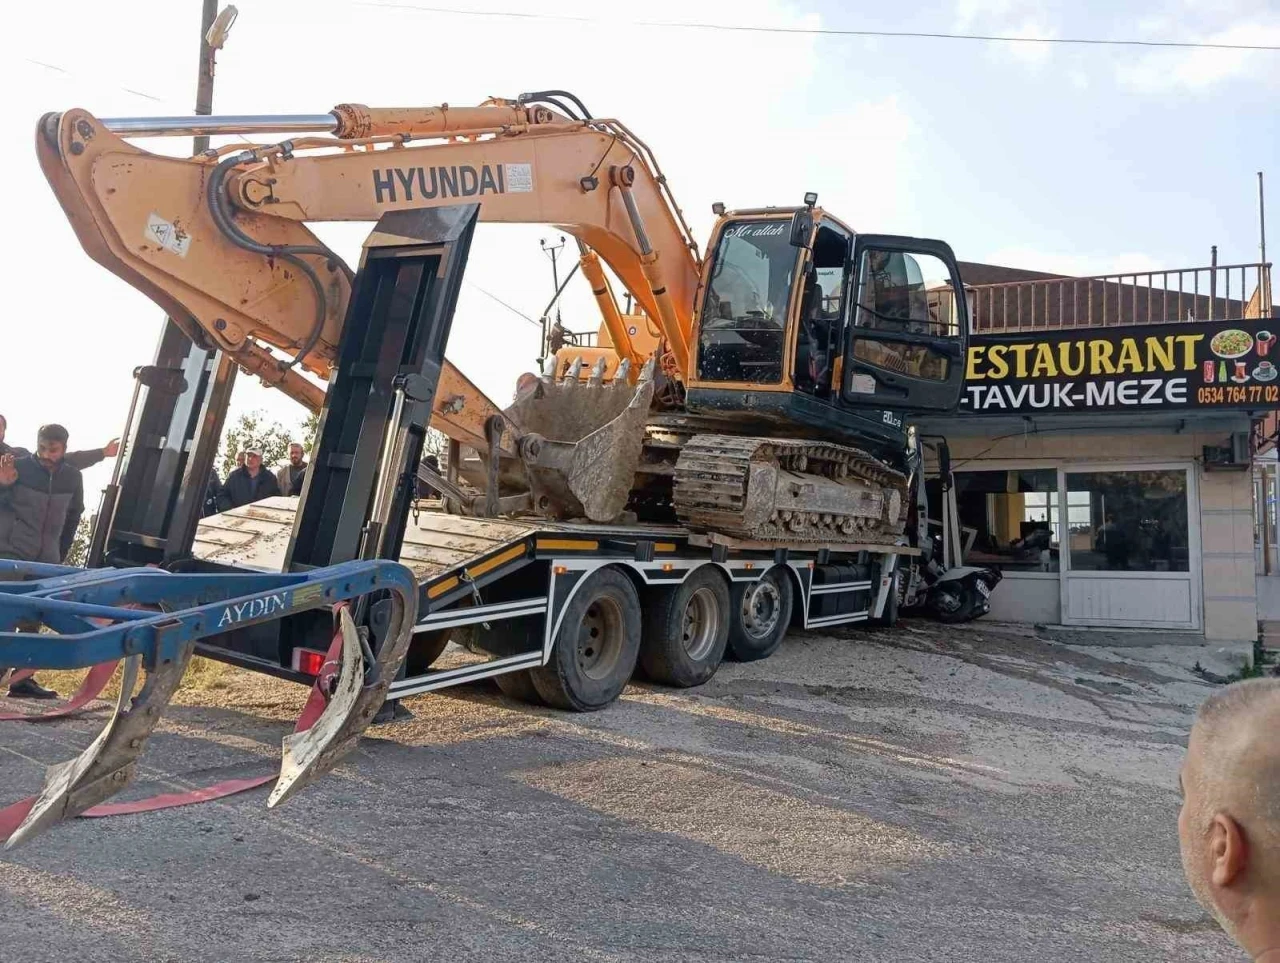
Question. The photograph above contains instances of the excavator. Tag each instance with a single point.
(739, 461)
(770, 407)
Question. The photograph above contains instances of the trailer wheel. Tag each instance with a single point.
(759, 615)
(686, 628)
(596, 646)
(424, 650)
(519, 686)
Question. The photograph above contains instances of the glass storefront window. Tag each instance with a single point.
(1014, 515)
(1136, 521)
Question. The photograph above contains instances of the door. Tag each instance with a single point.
(1130, 546)
(907, 333)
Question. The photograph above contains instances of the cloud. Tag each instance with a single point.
(1199, 70)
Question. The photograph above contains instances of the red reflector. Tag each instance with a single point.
(308, 661)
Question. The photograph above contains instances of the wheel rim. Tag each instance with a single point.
(761, 608)
(701, 624)
(600, 639)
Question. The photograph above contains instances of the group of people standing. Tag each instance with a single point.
(250, 482)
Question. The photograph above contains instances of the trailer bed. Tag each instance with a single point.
(475, 573)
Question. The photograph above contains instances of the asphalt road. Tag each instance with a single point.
(968, 794)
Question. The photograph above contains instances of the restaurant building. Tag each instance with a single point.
(1102, 455)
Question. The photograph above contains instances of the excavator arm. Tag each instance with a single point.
(221, 242)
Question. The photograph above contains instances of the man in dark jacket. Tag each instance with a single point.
(76, 459)
(212, 489)
(291, 476)
(41, 501)
(248, 484)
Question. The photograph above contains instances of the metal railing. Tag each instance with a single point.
(1184, 294)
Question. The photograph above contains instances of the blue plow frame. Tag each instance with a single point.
(104, 615)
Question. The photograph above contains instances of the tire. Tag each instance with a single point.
(890, 617)
(596, 648)
(686, 629)
(424, 650)
(519, 686)
(966, 597)
(759, 615)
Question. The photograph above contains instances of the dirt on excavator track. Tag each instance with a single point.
(776, 489)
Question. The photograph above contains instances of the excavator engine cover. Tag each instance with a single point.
(581, 441)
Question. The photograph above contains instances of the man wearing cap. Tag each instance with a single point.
(249, 483)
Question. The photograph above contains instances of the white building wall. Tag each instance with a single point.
(1225, 509)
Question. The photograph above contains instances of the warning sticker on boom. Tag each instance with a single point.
(169, 236)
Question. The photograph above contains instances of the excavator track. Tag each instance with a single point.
(776, 489)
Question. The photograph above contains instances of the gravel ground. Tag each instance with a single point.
(973, 793)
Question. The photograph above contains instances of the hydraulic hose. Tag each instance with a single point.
(548, 94)
(220, 209)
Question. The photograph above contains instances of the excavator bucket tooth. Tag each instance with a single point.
(110, 761)
(581, 441)
(353, 704)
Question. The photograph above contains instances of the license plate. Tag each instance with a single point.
(983, 588)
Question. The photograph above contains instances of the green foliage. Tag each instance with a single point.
(310, 425)
(79, 552)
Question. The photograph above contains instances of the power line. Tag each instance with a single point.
(63, 70)
(490, 294)
(823, 31)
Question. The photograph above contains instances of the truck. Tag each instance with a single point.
(653, 505)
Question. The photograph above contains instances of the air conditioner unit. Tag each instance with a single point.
(1233, 456)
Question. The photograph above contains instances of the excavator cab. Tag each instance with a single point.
(811, 319)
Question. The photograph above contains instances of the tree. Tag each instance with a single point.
(435, 443)
(79, 552)
(310, 425)
(254, 429)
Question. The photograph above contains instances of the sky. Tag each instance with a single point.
(1078, 160)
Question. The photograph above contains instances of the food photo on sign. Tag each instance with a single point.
(1228, 364)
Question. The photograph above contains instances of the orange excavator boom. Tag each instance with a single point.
(220, 241)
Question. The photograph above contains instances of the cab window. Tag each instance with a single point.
(818, 334)
(745, 313)
(903, 293)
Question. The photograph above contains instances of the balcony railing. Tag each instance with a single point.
(1144, 297)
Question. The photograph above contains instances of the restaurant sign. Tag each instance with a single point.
(1224, 364)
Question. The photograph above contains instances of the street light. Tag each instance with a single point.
(217, 34)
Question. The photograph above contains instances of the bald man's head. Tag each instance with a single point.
(1229, 828)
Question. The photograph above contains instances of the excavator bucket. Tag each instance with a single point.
(581, 440)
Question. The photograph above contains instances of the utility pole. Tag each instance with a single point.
(1264, 278)
(214, 28)
(552, 251)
